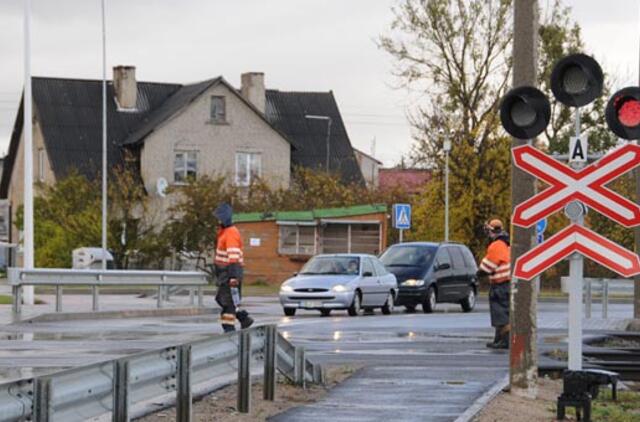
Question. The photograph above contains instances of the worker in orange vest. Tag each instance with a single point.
(228, 267)
(497, 265)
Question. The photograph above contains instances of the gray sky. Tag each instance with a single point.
(309, 45)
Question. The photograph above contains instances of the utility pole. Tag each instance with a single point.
(523, 369)
(636, 231)
(27, 131)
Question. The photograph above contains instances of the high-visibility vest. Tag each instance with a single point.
(497, 262)
(229, 247)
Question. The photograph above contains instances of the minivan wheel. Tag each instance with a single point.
(469, 302)
(430, 299)
(388, 305)
(289, 311)
(356, 305)
(325, 312)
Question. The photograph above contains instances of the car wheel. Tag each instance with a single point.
(356, 305)
(469, 302)
(325, 312)
(289, 311)
(410, 308)
(430, 300)
(388, 305)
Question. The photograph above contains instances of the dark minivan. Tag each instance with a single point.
(430, 273)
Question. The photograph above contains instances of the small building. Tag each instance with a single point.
(411, 180)
(369, 166)
(278, 244)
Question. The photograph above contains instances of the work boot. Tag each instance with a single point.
(245, 320)
(503, 341)
(496, 337)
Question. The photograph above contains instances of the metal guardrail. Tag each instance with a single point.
(603, 286)
(132, 386)
(59, 277)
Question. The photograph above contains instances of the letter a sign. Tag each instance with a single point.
(578, 149)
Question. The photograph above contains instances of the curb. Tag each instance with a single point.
(483, 400)
(136, 313)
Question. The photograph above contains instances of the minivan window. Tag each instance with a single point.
(408, 256)
(457, 258)
(469, 260)
(443, 257)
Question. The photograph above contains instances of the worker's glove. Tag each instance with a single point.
(233, 282)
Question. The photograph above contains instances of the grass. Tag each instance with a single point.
(6, 300)
(626, 409)
(260, 289)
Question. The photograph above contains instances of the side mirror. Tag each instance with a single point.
(444, 266)
(367, 274)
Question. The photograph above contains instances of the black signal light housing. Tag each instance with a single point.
(525, 112)
(577, 80)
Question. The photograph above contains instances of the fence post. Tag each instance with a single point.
(244, 371)
(269, 388)
(95, 294)
(42, 399)
(17, 299)
(200, 297)
(191, 297)
(159, 304)
(298, 365)
(120, 391)
(58, 298)
(605, 298)
(183, 393)
(588, 293)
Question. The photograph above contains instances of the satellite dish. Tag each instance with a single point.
(161, 186)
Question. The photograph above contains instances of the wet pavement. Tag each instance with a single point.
(427, 366)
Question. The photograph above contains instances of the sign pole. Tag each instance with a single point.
(401, 235)
(576, 269)
(28, 260)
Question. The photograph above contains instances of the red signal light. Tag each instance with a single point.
(623, 113)
(629, 113)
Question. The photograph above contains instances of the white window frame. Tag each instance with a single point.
(297, 226)
(185, 170)
(41, 158)
(249, 177)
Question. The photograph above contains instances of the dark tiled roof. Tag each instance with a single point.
(287, 110)
(69, 111)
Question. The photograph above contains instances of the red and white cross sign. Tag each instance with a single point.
(572, 239)
(586, 185)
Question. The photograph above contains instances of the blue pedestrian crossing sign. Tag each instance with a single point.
(402, 216)
(541, 226)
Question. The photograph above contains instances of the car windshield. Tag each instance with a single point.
(408, 256)
(344, 265)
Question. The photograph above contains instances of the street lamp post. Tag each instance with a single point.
(446, 146)
(328, 146)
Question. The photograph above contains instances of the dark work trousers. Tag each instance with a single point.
(499, 298)
(229, 311)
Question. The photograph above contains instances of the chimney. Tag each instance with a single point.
(252, 89)
(125, 86)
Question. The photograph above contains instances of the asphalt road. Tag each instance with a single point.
(433, 365)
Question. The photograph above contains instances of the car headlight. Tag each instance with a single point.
(412, 282)
(286, 288)
(339, 288)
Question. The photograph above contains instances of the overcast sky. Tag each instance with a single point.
(312, 45)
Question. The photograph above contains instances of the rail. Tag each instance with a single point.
(60, 277)
(134, 385)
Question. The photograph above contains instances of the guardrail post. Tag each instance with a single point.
(95, 293)
(244, 371)
(58, 298)
(183, 393)
(120, 391)
(159, 304)
(298, 365)
(269, 388)
(200, 297)
(42, 400)
(318, 374)
(192, 299)
(17, 299)
(588, 298)
(605, 298)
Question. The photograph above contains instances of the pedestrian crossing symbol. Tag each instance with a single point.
(402, 216)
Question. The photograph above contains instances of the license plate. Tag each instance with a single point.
(311, 304)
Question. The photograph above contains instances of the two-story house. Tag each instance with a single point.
(176, 131)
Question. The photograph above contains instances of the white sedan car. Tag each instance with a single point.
(354, 282)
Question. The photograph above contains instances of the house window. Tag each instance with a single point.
(185, 166)
(297, 240)
(248, 167)
(218, 109)
(41, 159)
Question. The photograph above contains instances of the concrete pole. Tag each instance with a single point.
(523, 369)
(28, 154)
(446, 196)
(636, 231)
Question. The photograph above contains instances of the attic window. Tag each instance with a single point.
(218, 109)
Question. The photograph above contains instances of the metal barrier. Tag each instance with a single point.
(603, 286)
(18, 277)
(132, 386)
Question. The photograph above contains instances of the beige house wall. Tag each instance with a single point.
(16, 186)
(369, 168)
(191, 129)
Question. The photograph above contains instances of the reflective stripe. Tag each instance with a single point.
(486, 262)
(231, 318)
